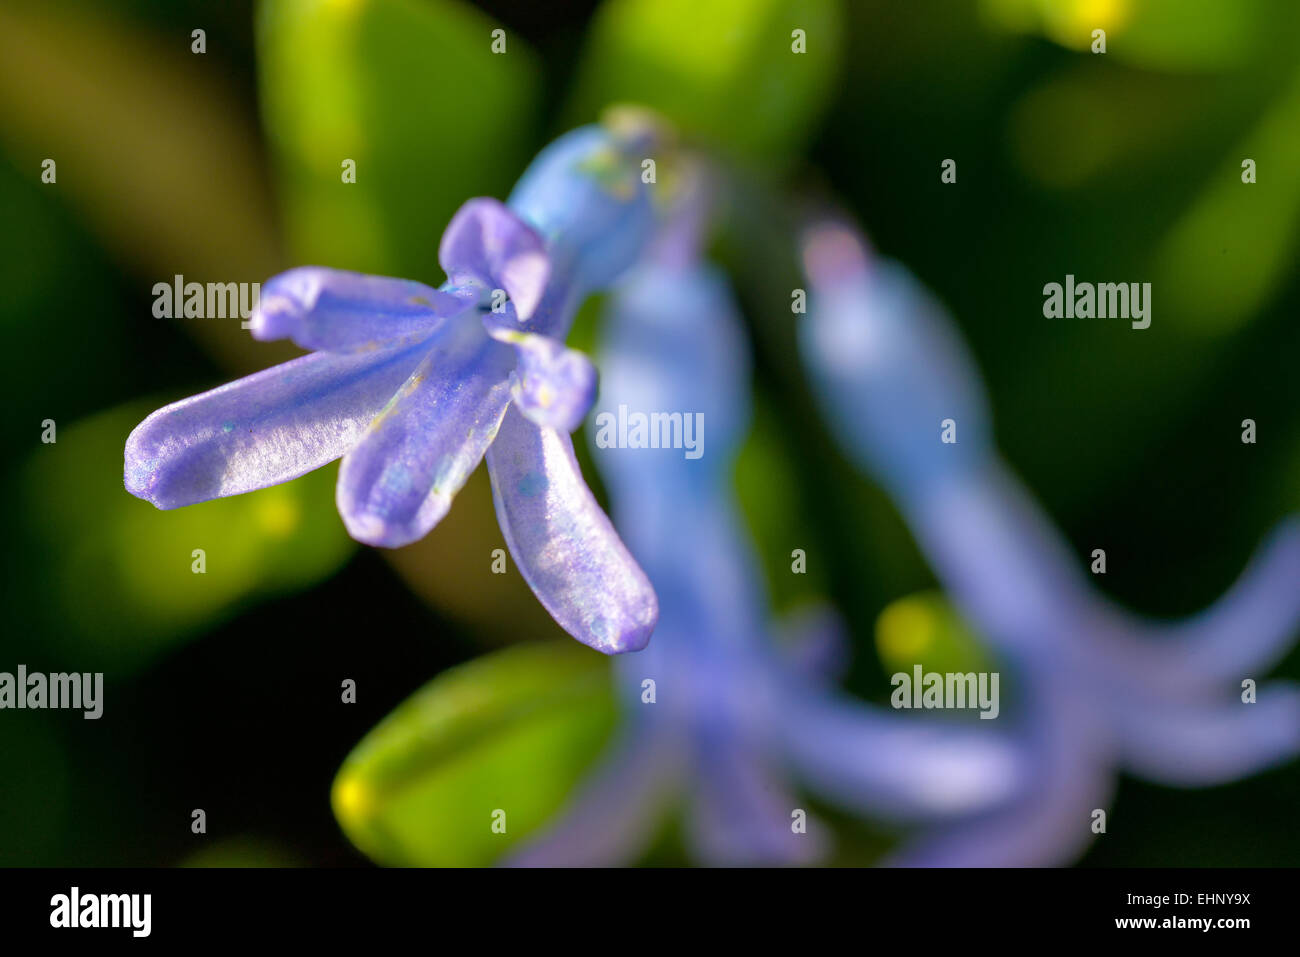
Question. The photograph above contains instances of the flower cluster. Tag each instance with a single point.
(412, 386)
(1102, 689)
(736, 714)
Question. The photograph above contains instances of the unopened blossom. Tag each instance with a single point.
(1103, 689)
(412, 386)
(738, 720)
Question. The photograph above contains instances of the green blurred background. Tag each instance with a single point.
(223, 689)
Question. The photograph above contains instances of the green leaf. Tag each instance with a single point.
(115, 576)
(512, 731)
(722, 71)
(1223, 261)
(409, 90)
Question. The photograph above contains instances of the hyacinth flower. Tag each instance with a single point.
(412, 386)
(1104, 690)
(737, 718)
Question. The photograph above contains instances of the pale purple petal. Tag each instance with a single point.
(899, 766)
(1240, 636)
(1050, 824)
(889, 367)
(261, 430)
(564, 545)
(337, 311)
(1000, 559)
(554, 385)
(487, 243)
(612, 818)
(1200, 743)
(400, 479)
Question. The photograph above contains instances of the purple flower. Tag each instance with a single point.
(736, 718)
(412, 386)
(1104, 690)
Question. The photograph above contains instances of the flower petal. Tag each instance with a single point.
(565, 546)
(400, 479)
(584, 193)
(554, 386)
(896, 766)
(889, 367)
(337, 311)
(261, 430)
(1048, 824)
(1241, 634)
(1211, 742)
(487, 243)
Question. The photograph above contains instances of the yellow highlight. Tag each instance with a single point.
(1071, 24)
(348, 6)
(278, 515)
(1067, 22)
(352, 800)
(904, 630)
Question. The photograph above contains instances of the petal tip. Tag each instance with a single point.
(274, 317)
(372, 530)
(635, 635)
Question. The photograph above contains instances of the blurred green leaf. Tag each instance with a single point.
(512, 731)
(1226, 257)
(150, 145)
(114, 576)
(721, 70)
(411, 91)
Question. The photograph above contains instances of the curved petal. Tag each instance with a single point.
(554, 385)
(400, 479)
(889, 367)
(1050, 821)
(261, 430)
(337, 311)
(897, 766)
(1211, 742)
(612, 818)
(565, 546)
(1242, 634)
(486, 243)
